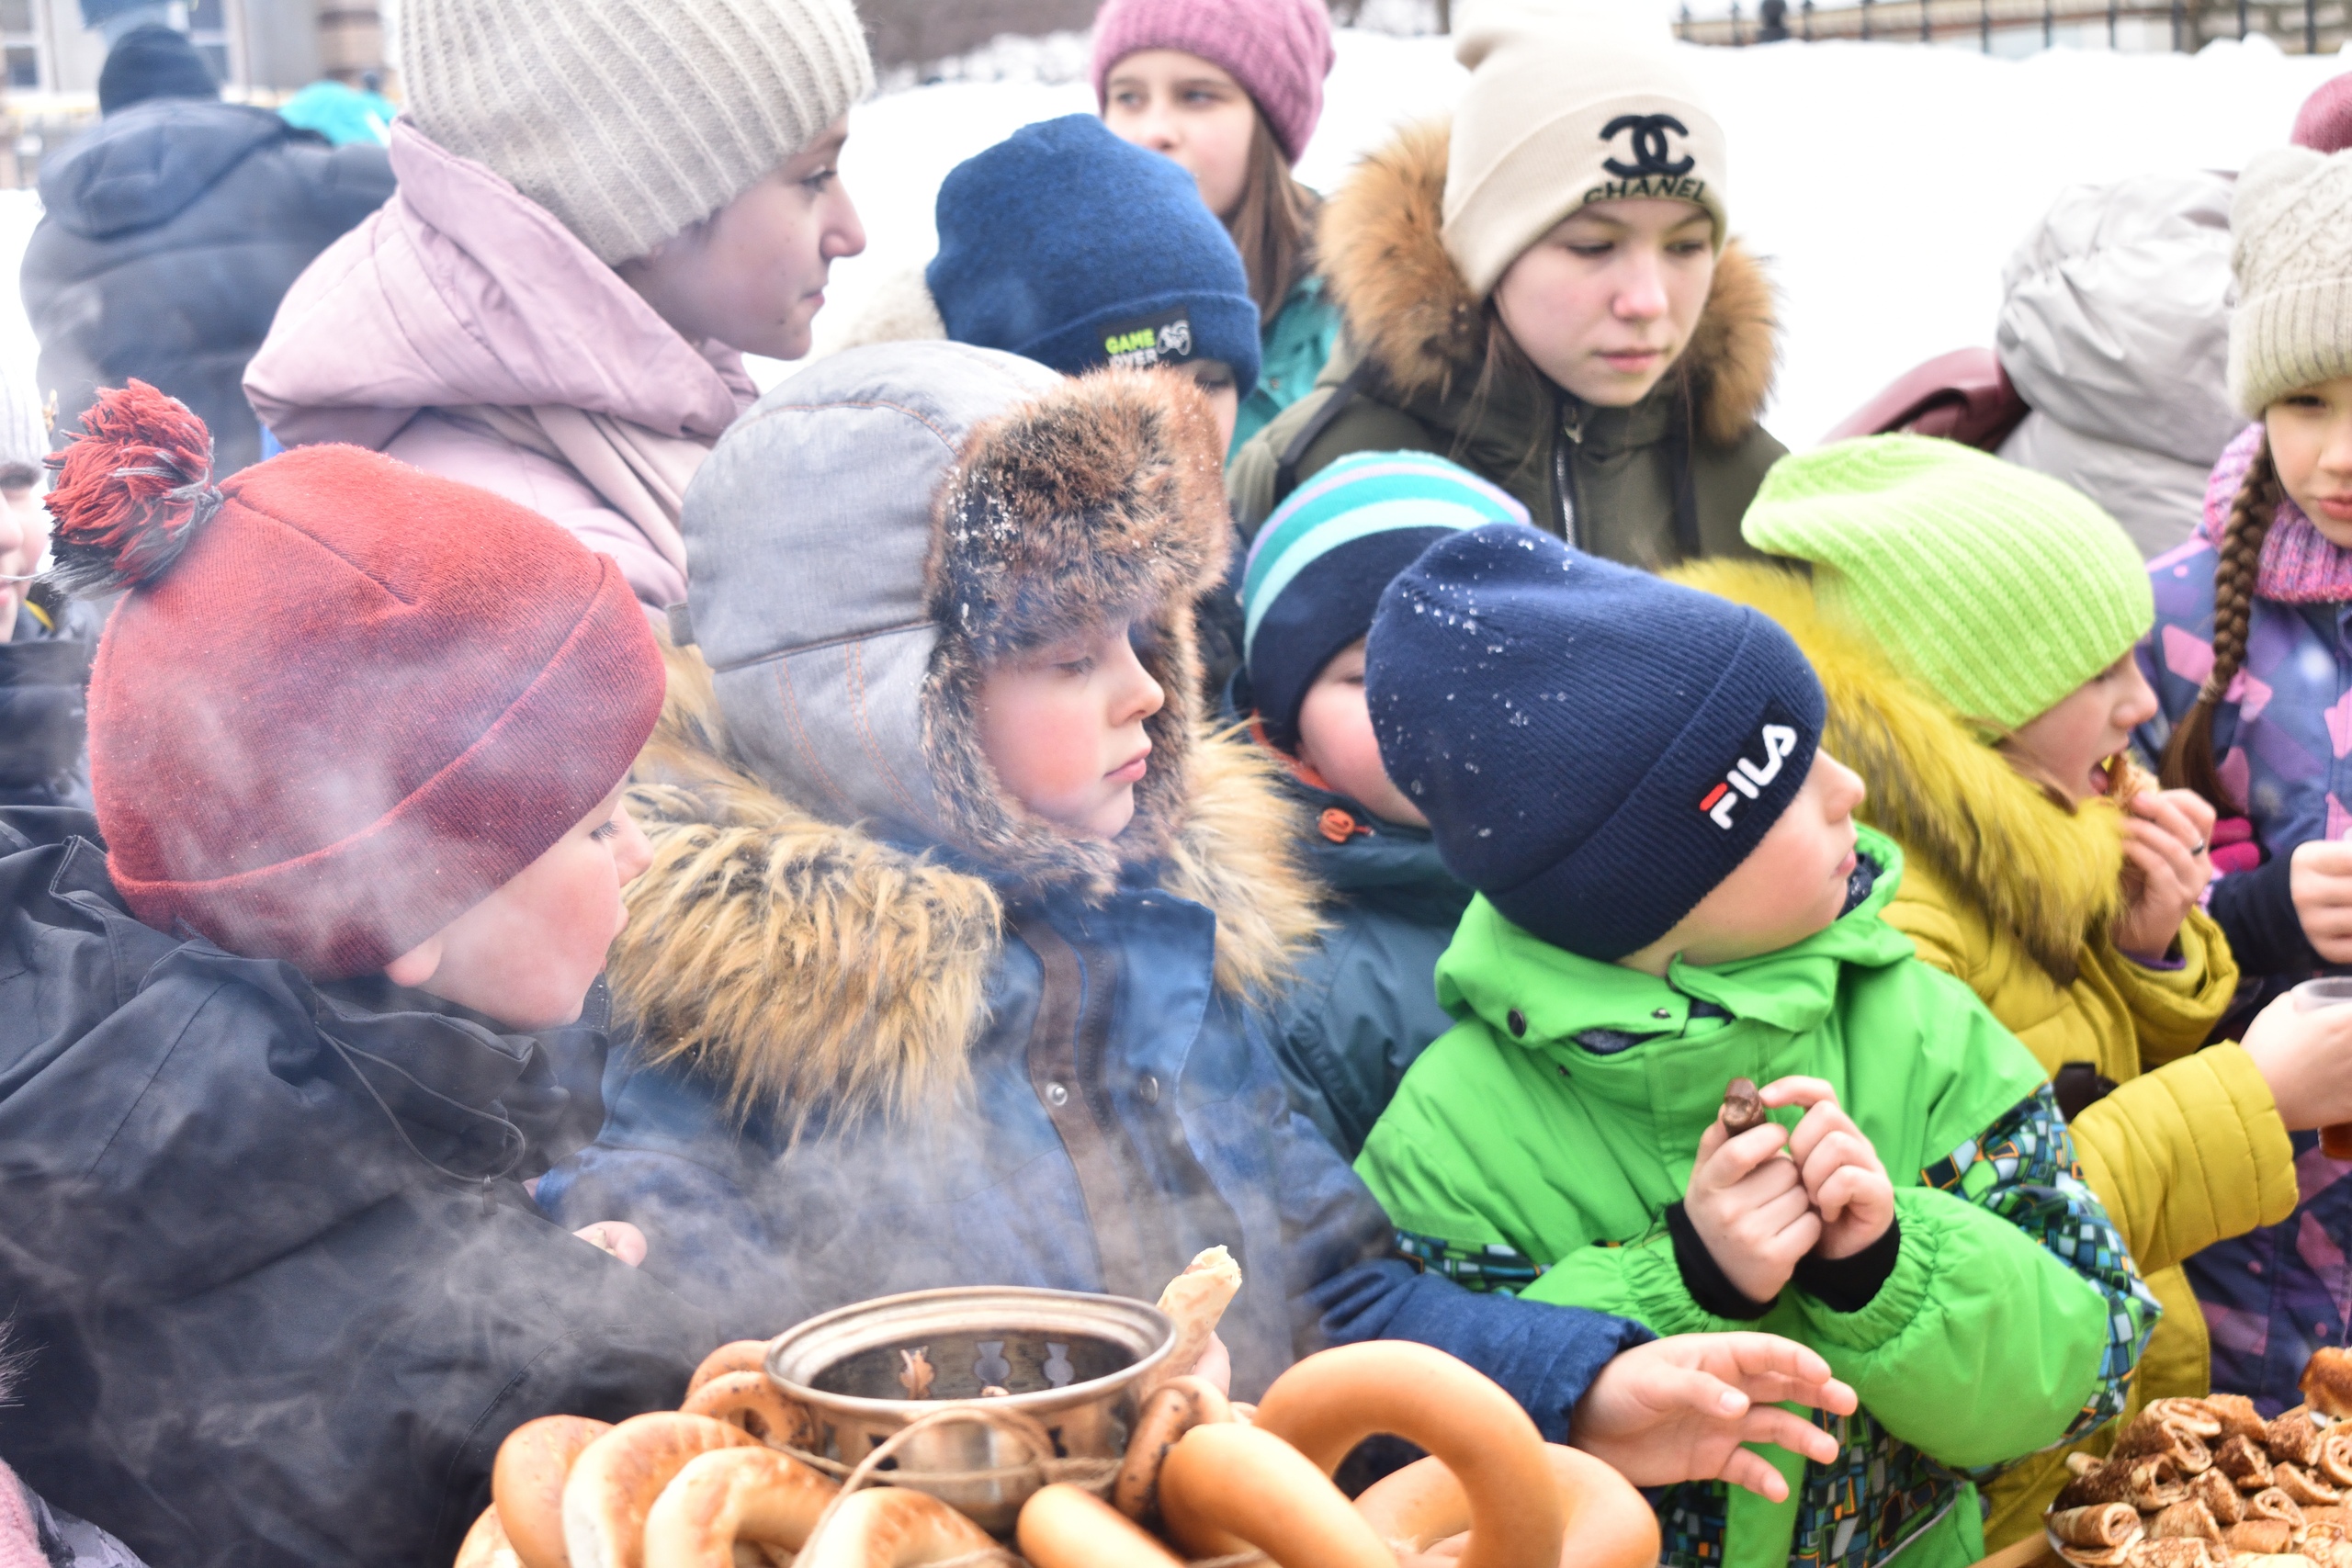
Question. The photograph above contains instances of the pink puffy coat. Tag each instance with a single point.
(464, 330)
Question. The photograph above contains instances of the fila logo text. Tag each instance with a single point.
(1747, 780)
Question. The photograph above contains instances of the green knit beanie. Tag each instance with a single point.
(1998, 588)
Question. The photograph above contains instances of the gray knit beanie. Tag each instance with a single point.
(630, 121)
(2291, 247)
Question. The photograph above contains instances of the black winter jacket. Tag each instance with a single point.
(269, 1242)
(44, 685)
(171, 233)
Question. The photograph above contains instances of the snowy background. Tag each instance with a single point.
(1886, 184)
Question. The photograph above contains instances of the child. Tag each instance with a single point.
(1363, 1006)
(45, 638)
(1683, 903)
(1231, 89)
(1972, 623)
(947, 969)
(603, 206)
(2251, 661)
(1545, 294)
(269, 1087)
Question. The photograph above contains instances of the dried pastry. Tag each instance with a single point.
(2303, 1486)
(2108, 1524)
(2294, 1436)
(2272, 1504)
(2259, 1535)
(2219, 1493)
(2196, 1416)
(2149, 1434)
(2327, 1382)
(2243, 1463)
(2191, 1519)
(2237, 1414)
(2174, 1553)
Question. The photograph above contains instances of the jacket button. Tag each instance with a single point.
(1056, 1095)
(1518, 1022)
(1149, 1090)
(1662, 1012)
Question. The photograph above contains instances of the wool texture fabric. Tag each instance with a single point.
(2325, 122)
(1595, 748)
(1066, 246)
(152, 63)
(2290, 250)
(349, 701)
(1569, 102)
(1280, 50)
(1998, 588)
(1319, 567)
(630, 123)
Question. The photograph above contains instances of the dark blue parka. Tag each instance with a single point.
(44, 717)
(267, 1243)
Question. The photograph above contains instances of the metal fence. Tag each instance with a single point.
(2311, 27)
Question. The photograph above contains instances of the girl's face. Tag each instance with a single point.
(1606, 301)
(2310, 446)
(754, 275)
(1063, 727)
(2070, 744)
(1183, 108)
(23, 537)
(1335, 739)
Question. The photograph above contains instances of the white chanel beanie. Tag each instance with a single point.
(2291, 247)
(628, 121)
(1570, 101)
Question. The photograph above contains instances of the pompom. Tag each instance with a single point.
(131, 490)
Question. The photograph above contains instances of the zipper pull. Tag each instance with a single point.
(1572, 422)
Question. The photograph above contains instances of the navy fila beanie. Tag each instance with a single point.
(1595, 748)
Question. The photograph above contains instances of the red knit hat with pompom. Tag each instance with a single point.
(341, 701)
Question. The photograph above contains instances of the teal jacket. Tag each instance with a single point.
(1364, 1005)
(1292, 352)
(1537, 1146)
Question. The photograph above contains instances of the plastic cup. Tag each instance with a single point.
(2334, 1141)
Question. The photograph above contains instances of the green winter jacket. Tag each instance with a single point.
(1539, 1143)
(1292, 352)
(1363, 1006)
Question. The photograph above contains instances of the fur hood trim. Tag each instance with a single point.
(1408, 310)
(2050, 875)
(801, 964)
(1101, 500)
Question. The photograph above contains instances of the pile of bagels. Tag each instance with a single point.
(713, 1485)
(2209, 1483)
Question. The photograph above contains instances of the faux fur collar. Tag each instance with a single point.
(1408, 310)
(807, 966)
(2050, 876)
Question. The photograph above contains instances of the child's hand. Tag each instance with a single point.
(1679, 1409)
(620, 1238)
(1751, 1208)
(2165, 867)
(2320, 882)
(2306, 1058)
(1841, 1172)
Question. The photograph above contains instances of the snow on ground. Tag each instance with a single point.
(1887, 183)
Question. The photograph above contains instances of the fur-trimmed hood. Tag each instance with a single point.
(2048, 874)
(803, 963)
(1408, 310)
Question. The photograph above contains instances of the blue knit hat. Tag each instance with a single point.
(1595, 748)
(1066, 246)
(1316, 573)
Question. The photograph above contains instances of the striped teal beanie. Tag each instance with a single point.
(1316, 573)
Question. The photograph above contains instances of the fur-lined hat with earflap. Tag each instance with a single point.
(833, 852)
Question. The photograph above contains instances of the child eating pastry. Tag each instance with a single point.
(1673, 896)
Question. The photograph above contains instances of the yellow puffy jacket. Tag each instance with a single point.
(2015, 894)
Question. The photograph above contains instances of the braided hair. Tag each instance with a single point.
(2188, 756)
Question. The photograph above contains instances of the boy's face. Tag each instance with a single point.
(526, 955)
(1791, 884)
(1063, 727)
(1335, 739)
(1215, 378)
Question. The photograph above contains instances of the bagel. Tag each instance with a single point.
(526, 1485)
(1226, 1487)
(748, 1400)
(735, 1356)
(891, 1527)
(1330, 1401)
(1067, 1526)
(1172, 1409)
(1609, 1525)
(614, 1482)
(730, 1494)
(486, 1545)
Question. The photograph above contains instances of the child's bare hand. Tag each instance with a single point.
(1678, 1410)
(620, 1238)
(1750, 1207)
(2166, 868)
(1841, 1172)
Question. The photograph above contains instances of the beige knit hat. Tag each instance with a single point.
(1570, 101)
(2290, 226)
(630, 121)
